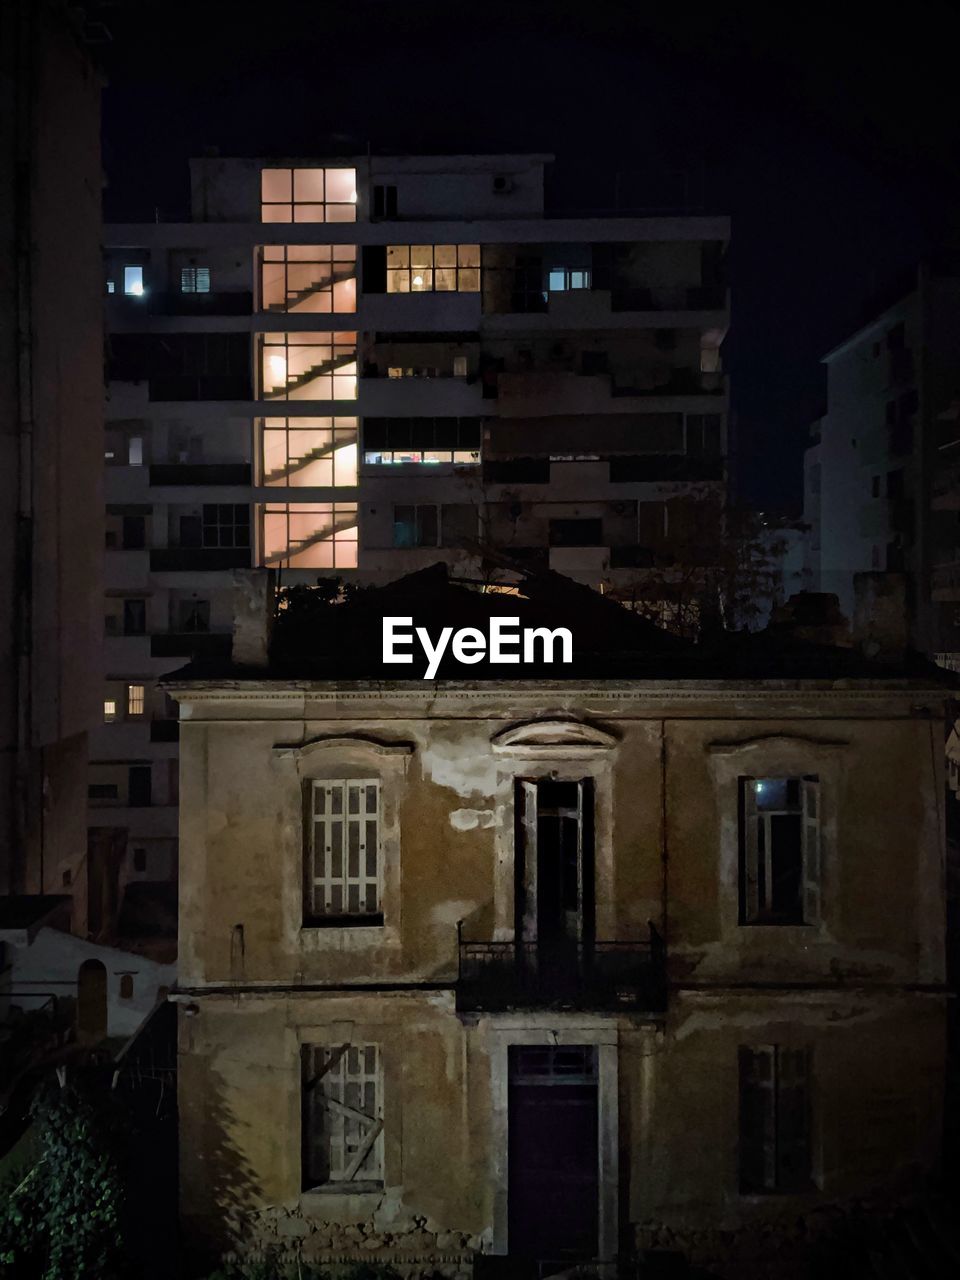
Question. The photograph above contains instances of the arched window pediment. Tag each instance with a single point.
(554, 737)
(341, 742)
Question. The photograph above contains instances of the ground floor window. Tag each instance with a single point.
(774, 1119)
(342, 1115)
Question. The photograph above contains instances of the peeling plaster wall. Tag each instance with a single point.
(664, 787)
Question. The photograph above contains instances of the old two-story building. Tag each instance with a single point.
(545, 966)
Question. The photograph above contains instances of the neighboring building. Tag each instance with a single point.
(882, 481)
(361, 366)
(423, 1009)
(51, 447)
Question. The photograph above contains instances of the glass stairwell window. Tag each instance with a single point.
(308, 195)
(309, 279)
(321, 535)
(309, 452)
(308, 366)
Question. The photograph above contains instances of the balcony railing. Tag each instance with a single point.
(496, 976)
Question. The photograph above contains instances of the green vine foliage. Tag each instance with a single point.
(63, 1218)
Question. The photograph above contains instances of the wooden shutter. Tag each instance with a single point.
(793, 1119)
(525, 856)
(810, 809)
(749, 853)
(758, 1134)
(342, 1109)
(344, 870)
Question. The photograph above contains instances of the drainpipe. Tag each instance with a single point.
(24, 15)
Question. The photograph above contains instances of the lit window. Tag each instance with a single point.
(433, 268)
(308, 366)
(308, 195)
(309, 452)
(428, 457)
(135, 451)
(560, 279)
(308, 278)
(310, 536)
(194, 279)
(111, 286)
(133, 281)
(135, 699)
(109, 710)
(342, 1115)
(459, 366)
(780, 851)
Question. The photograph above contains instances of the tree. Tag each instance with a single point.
(63, 1218)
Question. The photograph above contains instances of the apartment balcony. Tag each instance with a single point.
(198, 559)
(234, 303)
(559, 392)
(629, 977)
(429, 397)
(200, 473)
(190, 644)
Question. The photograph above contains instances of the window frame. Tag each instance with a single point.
(312, 918)
(405, 263)
(789, 1071)
(293, 203)
(754, 822)
(335, 1071)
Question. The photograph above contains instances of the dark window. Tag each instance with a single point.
(385, 201)
(576, 533)
(774, 1119)
(226, 524)
(895, 484)
(103, 791)
(139, 785)
(703, 434)
(139, 859)
(875, 487)
(374, 265)
(517, 471)
(134, 533)
(896, 337)
(415, 526)
(191, 531)
(779, 851)
(193, 616)
(665, 339)
(134, 617)
(594, 362)
(67, 878)
(126, 986)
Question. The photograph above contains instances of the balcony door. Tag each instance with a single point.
(554, 868)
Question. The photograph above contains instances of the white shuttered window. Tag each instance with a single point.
(343, 872)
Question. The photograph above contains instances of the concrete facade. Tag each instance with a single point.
(554, 397)
(51, 442)
(881, 477)
(857, 991)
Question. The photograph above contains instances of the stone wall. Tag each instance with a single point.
(413, 1245)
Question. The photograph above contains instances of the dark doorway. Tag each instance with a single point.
(553, 1153)
(91, 1002)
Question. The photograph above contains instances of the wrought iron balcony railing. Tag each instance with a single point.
(497, 976)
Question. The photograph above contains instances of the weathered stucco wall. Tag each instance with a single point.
(859, 989)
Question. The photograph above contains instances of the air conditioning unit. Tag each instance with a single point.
(502, 184)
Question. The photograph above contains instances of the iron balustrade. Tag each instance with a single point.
(496, 976)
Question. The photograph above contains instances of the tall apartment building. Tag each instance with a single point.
(881, 476)
(361, 366)
(51, 448)
(424, 1013)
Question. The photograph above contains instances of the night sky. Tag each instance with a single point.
(833, 148)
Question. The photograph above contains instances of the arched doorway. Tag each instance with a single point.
(91, 1001)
